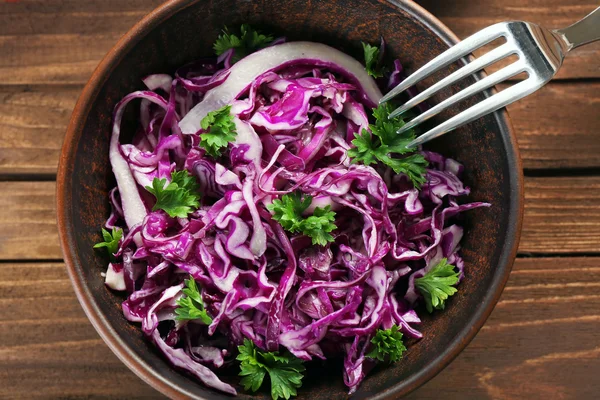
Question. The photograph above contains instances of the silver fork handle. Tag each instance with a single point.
(584, 31)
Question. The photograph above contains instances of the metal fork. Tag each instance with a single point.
(540, 53)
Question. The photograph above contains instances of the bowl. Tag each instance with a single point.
(183, 30)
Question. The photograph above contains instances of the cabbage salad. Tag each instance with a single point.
(267, 214)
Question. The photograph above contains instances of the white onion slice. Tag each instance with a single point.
(245, 71)
(134, 209)
(115, 280)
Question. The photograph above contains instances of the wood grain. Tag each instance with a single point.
(62, 41)
(466, 17)
(48, 347)
(38, 17)
(28, 221)
(546, 125)
(559, 126)
(562, 215)
(52, 59)
(33, 122)
(540, 339)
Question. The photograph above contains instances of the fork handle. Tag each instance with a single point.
(584, 31)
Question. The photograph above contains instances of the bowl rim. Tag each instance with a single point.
(110, 336)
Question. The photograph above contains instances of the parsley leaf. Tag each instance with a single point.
(246, 43)
(284, 382)
(220, 131)
(111, 241)
(437, 285)
(285, 370)
(179, 198)
(372, 61)
(383, 141)
(253, 376)
(386, 129)
(288, 212)
(412, 166)
(366, 148)
(387, 343)
(185, 180)
(191, 305)
(319, 225)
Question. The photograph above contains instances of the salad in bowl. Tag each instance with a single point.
(267, 215)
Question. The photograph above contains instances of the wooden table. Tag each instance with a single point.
(542, 340)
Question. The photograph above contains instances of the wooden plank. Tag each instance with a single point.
(562, 215)
(62, 41)
(559, 126)
(28, 221)
(33, 122)
(51, 59)
(53, 351)
(541, 339)
(560, 117)
(466, 17)
(32, 17)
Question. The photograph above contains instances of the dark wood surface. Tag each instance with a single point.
(542, 340)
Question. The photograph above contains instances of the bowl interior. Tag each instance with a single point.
(184, 31)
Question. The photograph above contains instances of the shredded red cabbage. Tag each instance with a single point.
(297, 107)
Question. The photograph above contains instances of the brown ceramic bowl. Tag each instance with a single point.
(184, 30)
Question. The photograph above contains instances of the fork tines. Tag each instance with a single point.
(460, 50)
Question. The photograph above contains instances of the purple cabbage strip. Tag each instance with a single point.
(397, 76)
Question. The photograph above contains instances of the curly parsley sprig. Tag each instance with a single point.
(381, 143)
(246, 42)
(284, 370)
(178, 198)
(387, 343)
(190, 305)
(437, 285)
(288, 212)
(111, 242)
(219, 131)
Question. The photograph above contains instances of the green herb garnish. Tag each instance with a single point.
(372, 60)
(437, 285)
(285, 371)
(288, 212)
(382, 142)
(247, 42)
(220, 131)
(111, 241)
(178, 198)
(190, 305)
(387, 343)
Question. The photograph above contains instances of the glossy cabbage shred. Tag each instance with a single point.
(294, 123)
